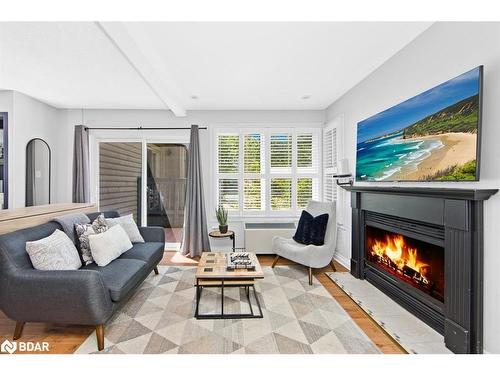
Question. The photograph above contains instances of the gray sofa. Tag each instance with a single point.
(87, 296)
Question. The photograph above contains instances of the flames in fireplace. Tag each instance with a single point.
(395, 253)
(418, 263)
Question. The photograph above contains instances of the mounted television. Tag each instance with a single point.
(434, 136)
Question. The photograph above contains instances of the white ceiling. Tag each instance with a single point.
(226, 65)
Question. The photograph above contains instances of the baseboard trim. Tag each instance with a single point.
(342, 260)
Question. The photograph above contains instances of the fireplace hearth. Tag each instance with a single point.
(423, 247)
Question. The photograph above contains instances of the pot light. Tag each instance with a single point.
(305, 97)
(194, 97)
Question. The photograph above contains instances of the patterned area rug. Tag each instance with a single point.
(298, 319)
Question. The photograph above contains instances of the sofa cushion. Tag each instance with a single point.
(92, 216)
(149, 252)
(109, 245)
(83, 231)
(121, 276)
(311, 230)
(128, 224)
(53, 253)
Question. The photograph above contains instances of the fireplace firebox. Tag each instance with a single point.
(417, 263)
(423, 247)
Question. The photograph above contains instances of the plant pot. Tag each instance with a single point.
(223, 229)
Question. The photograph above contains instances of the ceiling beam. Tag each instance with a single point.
(119, 36)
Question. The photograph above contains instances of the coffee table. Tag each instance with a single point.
(212, 273)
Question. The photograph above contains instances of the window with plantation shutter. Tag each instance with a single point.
(253, 153)
(253, 196)
(281, 194)
(228, 152)
(281, 152)
(268, 171)
(229, 193)
(330, 156)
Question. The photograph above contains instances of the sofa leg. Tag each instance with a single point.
(99, 330)
(333, 266)
(18, 331)
(275, 261)
(310, 276)
(156, 270)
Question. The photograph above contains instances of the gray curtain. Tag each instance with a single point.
(81, 173)
(196, 238)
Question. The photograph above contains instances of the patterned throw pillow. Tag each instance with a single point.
(53, 253)
(83, 232)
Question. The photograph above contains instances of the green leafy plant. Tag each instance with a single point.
(221, 214)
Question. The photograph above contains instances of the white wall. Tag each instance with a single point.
(442, 52)
(157, 118)
(28, 119)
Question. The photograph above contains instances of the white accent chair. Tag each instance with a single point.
(311, 256)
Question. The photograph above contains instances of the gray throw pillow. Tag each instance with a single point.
(54, 253)
(109, 245)
(128, 224)
(83, 231)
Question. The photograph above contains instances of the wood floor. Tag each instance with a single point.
(64, 339)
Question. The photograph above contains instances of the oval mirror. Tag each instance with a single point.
(37, 172)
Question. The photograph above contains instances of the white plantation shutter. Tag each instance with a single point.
(330, 156)
(281, 152)
(253, 153)
(228, 153)
(281, 194)
(253, 168)
(307, 153)
(307, 188)
(253, 194)
(228, 158)
(228, 193)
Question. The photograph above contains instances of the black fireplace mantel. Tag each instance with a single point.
(447, 193)
(459, 215)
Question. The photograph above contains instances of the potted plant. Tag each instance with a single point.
(221, 214)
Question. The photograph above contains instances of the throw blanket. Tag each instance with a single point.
(68, 224)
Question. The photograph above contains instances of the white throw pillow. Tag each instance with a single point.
(54, 253)
(106, 247)
(128, 224)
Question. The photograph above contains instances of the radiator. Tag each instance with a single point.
(258, 236)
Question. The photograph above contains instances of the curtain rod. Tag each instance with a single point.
(141, 128)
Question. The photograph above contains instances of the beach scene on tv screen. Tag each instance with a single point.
(430, 137)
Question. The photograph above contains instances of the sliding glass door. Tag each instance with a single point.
(147, 180)
(166, 189)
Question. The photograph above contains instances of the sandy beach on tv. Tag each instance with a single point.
(456, 150)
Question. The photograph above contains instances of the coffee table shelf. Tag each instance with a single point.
(212, 273)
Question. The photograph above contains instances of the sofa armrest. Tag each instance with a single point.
(73, 297)
(153, 234)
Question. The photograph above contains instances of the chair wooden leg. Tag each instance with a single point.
(18, 331)
(156, 270)
(275, 261)
(333, 266)
(100, 336)
(310, 276)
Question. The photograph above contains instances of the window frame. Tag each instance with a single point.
(265, 174)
